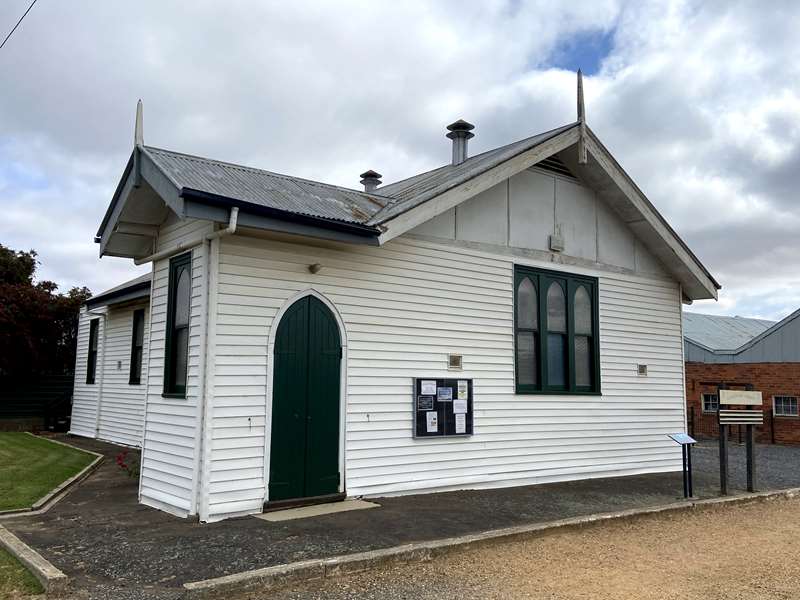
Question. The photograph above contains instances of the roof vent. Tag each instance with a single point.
(371, 180)
(460, 133)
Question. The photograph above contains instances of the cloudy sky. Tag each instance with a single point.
(699, 101)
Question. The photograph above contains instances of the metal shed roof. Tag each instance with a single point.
(715, 332)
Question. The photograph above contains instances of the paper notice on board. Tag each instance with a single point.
(432, 421)
(444, 394)
(461, 423)
(459, 406)
(428, 387)
(463, 389)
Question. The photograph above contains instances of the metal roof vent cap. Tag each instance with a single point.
(460, 133)
(370, 180)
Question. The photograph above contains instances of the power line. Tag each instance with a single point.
(10, 33)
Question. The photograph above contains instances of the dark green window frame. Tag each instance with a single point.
(137, 347)
(175, 376)
(543, 384)
(91, 357)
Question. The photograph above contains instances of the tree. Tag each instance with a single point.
(38, 326)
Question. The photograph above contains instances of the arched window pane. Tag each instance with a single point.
(527, 361)
(182, 299)
(527, 314)
(556, 359)
(583, 361)
(583, 312)
(556, 309)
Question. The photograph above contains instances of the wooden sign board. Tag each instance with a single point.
(740, 397)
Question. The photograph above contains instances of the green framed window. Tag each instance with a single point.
(179, 298)
(556, 341)
(91, 359)
(137, 347)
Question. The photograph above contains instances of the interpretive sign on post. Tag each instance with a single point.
(749, 417)
(686, 441)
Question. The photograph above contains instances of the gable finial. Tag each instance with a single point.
(138, 133)
(582, 155)
(138, 142)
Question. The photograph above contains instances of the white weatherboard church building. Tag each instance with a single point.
(273, 355)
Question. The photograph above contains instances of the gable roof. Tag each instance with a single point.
(416, 190)
(196, 187)
(722, 333)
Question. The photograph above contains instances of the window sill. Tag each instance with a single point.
(174, 396)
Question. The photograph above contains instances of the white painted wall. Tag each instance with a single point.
(119, 415)
(122, 405)
(170, 447)
(400, 326)
(84, 396)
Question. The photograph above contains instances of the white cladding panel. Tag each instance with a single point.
(84, 396)
(525, 210)
(484, 218)
(122, 404)
(531, 210)
(399, 325)
(169, 451)
(576, 219)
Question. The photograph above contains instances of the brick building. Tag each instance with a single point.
(738, 352)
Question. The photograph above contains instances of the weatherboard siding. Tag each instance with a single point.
(84, 396)
(169, 444)
(121, 415)
(400, 326)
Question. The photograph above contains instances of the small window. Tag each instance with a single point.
(555, 332)
(177, 340)
(91, 359)
(785, 406)
(137, 347)
(710, 403)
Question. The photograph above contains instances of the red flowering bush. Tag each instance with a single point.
(128, 464)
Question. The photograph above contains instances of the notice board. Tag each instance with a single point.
(442, 407)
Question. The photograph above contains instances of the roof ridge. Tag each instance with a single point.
(477, 156)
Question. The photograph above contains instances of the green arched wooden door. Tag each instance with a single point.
(304, 448)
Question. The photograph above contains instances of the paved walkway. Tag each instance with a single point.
(113, 547)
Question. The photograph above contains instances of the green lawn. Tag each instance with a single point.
(31, 466)
(15, 580)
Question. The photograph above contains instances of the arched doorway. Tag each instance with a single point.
(304, 444)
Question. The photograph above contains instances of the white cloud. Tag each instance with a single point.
(696, 100)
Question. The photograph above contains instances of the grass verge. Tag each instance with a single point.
(31, 466)
(15, 580)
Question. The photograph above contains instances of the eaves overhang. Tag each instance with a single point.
(117, 296)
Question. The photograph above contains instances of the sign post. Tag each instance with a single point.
(750, 417)
(686, 442)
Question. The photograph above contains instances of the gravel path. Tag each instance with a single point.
(740, 552)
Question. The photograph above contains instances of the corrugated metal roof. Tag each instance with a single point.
(143, 282)
(315, 199)
(717, 332)
(413, 191)
(266, 189)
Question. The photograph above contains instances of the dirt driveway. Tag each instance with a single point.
(742, 552)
